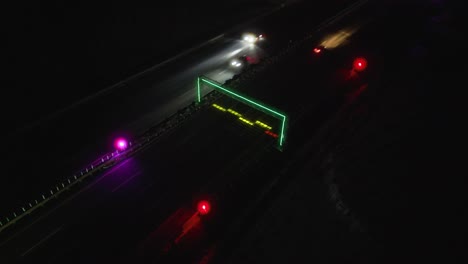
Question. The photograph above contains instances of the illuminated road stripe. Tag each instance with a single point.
(263, 125)
(246, 121)
(257, 122)
(251, 102)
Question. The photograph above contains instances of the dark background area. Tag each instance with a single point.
(396, 160)
(387, 184)
(59, 52)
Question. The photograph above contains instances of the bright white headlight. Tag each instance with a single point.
(250, 38)
(236, 63)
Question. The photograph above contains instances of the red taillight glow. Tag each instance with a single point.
(203, 207)
(268, 132)
(317, 50)
(360, 64)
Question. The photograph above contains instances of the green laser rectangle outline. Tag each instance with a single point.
(247, 101)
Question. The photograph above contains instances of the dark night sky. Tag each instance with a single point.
(58, 51)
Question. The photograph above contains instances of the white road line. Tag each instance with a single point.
(89, 186)
(41, 241)
(221, 72)
(126, 181)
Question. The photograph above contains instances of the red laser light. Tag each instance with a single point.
(203, 207)
(360, 64)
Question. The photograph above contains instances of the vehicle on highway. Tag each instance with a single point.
(236, 63)
(253, 38)
(243, 60)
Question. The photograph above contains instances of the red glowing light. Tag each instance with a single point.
(271, 134)
(360, 64)
(317, 50)
(203, 207)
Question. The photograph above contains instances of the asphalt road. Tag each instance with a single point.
(57, 148)
(116, 210)
(370, 189)
(118, 207)
(89, 128)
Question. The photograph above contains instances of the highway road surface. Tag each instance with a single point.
(381, 186)
(112, 213)
(55, 149)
